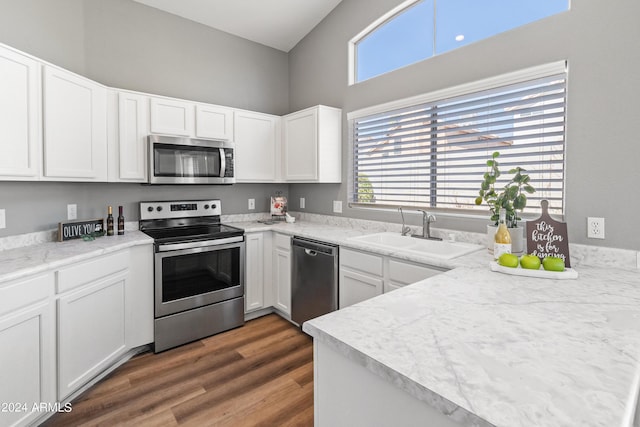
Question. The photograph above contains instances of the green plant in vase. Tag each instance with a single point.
(512, 197)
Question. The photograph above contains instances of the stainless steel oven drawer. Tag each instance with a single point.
(181, 328)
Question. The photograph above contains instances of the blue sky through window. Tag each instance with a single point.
(409, 36)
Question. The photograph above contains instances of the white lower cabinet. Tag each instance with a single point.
(91, 319)
(257, 277)
(282, 272)
(365, 275)
(27, 340)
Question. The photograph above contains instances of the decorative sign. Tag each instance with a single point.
(76, 229)
(278, 205)
(548, 237)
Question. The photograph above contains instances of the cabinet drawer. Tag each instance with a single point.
(20, 293)
(368, 263)
(86, 272)
(403, 272)
(283, 241)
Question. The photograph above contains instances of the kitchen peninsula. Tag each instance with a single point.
(476, 348)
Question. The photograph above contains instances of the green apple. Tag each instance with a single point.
(508, 260)
(530, 262)
(552, 263)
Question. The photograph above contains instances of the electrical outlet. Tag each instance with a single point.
(3, 219)
(337, 206)
(72, 211)
(252, 204)
(595, 228)
(301, 202)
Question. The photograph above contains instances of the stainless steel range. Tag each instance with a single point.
(199, 270)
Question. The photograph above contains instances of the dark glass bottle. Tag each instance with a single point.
(109, 221)
(120, 222)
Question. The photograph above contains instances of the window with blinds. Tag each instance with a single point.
(433, 155)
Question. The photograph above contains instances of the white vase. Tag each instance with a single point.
(517, 239)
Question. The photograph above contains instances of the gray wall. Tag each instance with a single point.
(124, 44)
(39, 207)
(603, 152)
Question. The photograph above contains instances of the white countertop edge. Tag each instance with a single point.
(431, 398)
(102, 246)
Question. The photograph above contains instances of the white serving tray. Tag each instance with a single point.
(568, 273)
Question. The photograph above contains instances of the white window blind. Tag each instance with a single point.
(433, 155)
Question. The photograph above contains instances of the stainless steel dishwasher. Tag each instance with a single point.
(314, 279)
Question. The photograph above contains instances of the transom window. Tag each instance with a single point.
(417, 30)
(431, 151)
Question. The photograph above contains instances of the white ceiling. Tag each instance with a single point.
(280, 24)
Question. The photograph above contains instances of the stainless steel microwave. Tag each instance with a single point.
(175, 160)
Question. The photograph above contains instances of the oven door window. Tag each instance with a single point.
(186, 162)
(196, 274)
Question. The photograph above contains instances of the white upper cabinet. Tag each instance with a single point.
(20, 136)
(312, 145)
(172, 117)
(214, 122)
(75, 127)
(257, 153)
(128, 132)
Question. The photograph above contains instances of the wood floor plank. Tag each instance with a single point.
(259, 374)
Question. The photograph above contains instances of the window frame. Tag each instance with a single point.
(511, 78)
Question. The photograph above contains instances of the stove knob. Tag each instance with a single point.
(150, 209)
(206, 206)
(159, 208)
(213, 206)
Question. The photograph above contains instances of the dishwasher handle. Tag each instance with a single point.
(315, 246)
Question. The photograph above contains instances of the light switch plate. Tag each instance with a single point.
(337, 206)
(252, 204)
(72, 211)
(3, 219)
(302, 202)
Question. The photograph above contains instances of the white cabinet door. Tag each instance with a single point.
(254, 272)
(91, 335)
(282, 272)
(357, 287)
(300, 143)
(214, 122)
(171, 117)
(257, 149)
(312, 145)
(20, 149)
(75, 127)
(133, 130)
(27, 368)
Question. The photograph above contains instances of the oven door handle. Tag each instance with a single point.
(200, 244)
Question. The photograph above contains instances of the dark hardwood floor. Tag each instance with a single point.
(258, 375)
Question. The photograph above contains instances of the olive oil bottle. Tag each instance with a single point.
(502, 239)
(120, 221)
(109, 221)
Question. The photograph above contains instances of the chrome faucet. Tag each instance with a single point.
(427, 219)
(405, 229)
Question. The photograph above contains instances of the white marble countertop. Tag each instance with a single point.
(24, 261)
(341, 235)
(496, 349)
(485, 347)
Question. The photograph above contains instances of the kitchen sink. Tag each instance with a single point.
(434, 248)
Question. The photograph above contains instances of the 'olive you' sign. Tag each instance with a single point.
(548, 237)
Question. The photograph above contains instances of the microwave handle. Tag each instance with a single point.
(223, 163)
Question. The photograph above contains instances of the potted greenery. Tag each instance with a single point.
(512, 198)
